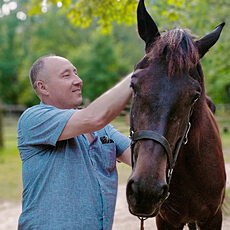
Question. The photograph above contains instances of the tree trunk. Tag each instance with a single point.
(227, 88)
(1, 124)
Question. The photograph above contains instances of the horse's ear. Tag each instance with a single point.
(147, 28)
(206, 42)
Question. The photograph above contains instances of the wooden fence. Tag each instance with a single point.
(9, 115)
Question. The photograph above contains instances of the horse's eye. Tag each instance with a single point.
(196, 97)
(132, 85)
(143, 63)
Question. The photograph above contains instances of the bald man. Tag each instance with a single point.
(69, 155)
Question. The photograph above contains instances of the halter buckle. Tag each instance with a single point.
(170, 172)
(185, 141)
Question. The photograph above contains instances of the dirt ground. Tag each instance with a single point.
(9, 213)
(125, 221)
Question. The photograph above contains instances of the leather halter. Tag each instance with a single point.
(152, 135)
(171, 155)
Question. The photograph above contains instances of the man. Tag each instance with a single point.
(69, 155)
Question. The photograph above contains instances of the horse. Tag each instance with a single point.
(178, 171)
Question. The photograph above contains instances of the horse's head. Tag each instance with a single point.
(166, 84)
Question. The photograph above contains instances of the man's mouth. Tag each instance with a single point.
(76, 91)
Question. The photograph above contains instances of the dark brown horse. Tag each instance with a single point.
(169, 99)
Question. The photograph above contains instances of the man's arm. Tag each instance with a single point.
(126, 157)
(100, 112)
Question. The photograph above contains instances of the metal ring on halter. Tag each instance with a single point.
(142, 219)
(185, 141)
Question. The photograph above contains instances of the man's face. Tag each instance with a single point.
(63, 83)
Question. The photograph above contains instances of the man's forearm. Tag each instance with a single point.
(111, 103)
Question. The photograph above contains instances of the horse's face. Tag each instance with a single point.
(156, 105)
(166, 83)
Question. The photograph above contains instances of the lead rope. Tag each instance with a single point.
(142, 219)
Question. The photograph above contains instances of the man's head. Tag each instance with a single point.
(56, 82)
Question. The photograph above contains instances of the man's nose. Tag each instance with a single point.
(77, 81)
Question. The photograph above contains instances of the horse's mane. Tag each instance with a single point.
(177, 48)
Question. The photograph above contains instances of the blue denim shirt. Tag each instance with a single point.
(68, 184)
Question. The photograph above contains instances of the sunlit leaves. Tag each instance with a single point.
(178, 3)
(104, 12)
(83, 12)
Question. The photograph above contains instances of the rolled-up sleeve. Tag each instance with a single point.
(122, 142)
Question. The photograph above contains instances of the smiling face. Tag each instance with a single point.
(59, 84)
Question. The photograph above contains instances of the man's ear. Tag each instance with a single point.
(42, 88)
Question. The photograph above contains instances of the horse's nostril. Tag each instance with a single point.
(164, 191)
(131, 192)
(131, 187)
(134, 187)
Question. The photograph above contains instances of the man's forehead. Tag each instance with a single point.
(56, 59)
(57, 63)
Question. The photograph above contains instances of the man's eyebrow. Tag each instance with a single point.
(68, 70)
(64, 71)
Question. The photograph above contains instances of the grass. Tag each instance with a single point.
(224, 122)
(10, 172)
(226, 205)
(10, 163)
(226, 146)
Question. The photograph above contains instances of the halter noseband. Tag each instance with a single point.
(152, 135)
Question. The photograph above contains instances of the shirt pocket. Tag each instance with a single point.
(109, 155)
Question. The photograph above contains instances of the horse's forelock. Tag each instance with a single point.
(176, 47)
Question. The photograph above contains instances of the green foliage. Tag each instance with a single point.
(105, 12)
(10, 166)
(103, 65)
(9, 59)
(84, 12)
(102, 59)
(200, 16)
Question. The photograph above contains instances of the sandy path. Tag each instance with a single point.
(9, 213)
(125, 221)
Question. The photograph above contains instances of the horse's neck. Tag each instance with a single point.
(204, 129)
(200, 111)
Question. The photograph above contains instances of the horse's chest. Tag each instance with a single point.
(187, 202)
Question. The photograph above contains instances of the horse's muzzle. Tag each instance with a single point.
(145, 200)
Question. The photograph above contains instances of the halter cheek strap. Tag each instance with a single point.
(152, 135)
